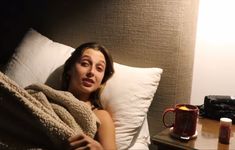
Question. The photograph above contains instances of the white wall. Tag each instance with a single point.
(214, 64)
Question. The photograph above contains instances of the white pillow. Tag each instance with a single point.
(127, 95)
(36, 58)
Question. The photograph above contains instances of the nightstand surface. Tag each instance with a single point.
(207, 138)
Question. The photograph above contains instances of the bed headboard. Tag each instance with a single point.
(151, 33)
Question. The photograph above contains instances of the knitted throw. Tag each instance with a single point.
(39, 117)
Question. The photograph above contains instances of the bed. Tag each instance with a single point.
(126, 96)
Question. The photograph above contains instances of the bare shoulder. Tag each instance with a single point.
(103, 115)
(106, 130)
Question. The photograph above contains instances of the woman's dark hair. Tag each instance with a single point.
(76, 55)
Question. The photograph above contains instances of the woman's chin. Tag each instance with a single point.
(88, 90)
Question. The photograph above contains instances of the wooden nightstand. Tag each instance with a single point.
(207, 138)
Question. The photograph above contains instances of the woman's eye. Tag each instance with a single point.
(85, 64)
(100, 69)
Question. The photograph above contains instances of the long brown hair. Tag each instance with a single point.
(76, 55)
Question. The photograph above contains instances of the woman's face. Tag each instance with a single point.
(87, 73)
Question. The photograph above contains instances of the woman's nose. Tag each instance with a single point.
(91, 71)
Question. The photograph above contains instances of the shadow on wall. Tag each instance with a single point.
(17, 16)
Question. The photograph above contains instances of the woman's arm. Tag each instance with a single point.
(105, 135)
(106, 131)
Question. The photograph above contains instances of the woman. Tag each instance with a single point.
(85, 73)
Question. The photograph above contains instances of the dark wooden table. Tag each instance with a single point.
(207, 138)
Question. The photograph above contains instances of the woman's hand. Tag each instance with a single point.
(83, 142)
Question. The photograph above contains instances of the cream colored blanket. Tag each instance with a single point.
(40, 117)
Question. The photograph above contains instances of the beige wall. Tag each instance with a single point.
(215, 51)
(143, 33)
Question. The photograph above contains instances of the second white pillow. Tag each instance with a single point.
(127, 96)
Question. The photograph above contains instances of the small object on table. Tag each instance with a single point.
(225, 130)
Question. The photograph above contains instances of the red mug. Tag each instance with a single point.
(185, 119)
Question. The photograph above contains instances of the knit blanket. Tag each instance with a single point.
(39, 117)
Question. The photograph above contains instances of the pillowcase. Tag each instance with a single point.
(36, 58)
(127, 95)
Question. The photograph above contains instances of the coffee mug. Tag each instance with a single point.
(185, 119)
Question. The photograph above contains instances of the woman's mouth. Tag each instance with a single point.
(87, 82)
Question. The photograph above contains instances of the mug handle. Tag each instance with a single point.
(163, 118)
